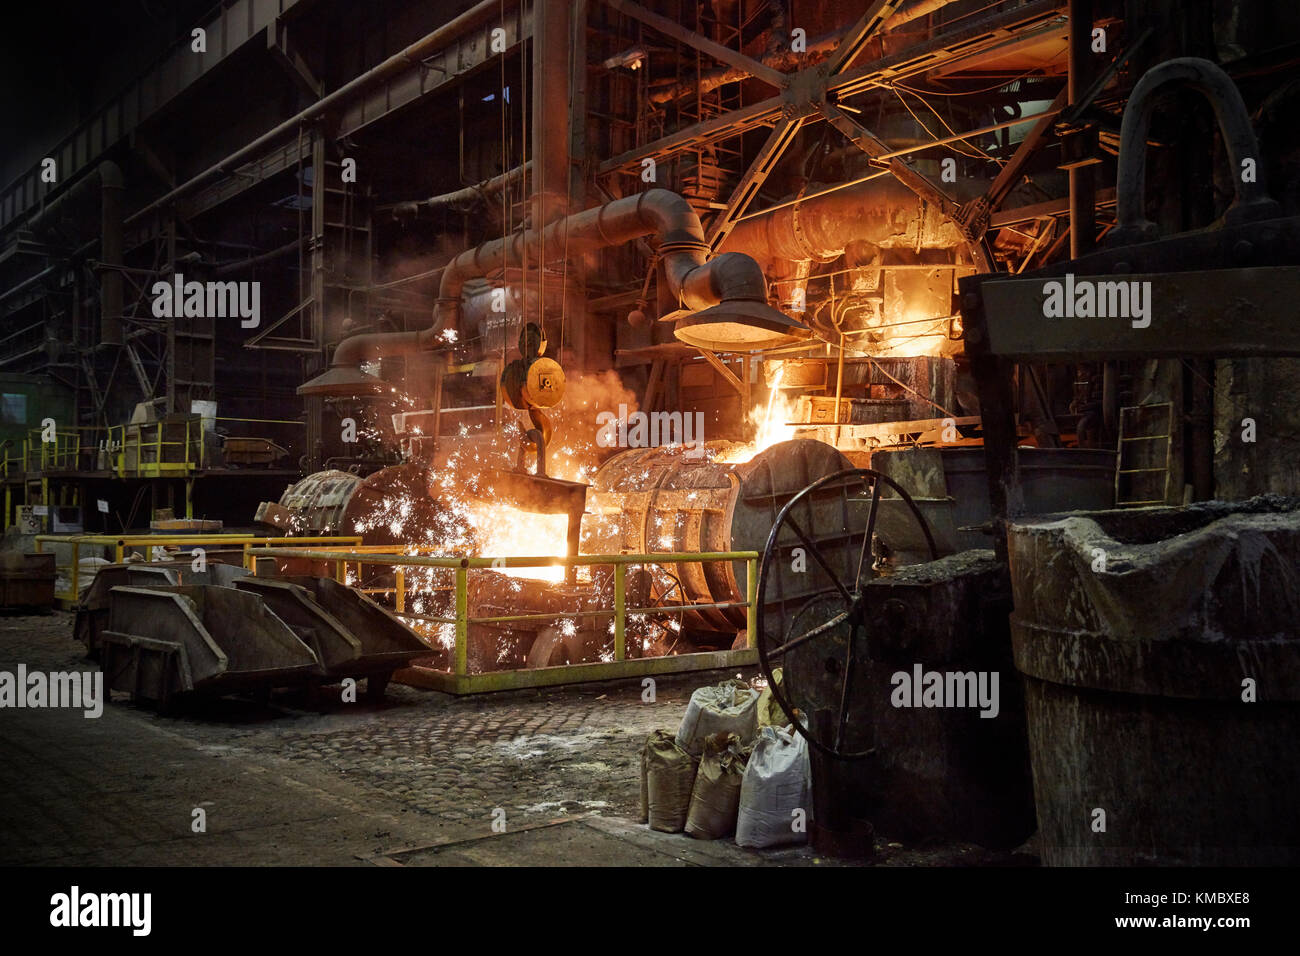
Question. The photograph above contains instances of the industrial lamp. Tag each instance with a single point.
(343, 381)
(739, 325)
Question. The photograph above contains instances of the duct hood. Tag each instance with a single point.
(739, 325)
(342, 381)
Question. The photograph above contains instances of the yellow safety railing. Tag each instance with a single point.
(459, 680)
(143, 449)
(121, 544)
(61, 451)
(14, 461)
(59, 454)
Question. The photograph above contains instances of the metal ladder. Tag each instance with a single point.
(1146, 421)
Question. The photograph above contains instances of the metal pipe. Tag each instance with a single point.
(243, 264)
(401, 60)
(878, 174)
(882, 213)
(696, 281)
(468, 194)
(917, 10)
(14, 290)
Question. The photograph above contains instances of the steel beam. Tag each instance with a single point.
(1049, 207)
(703, 133)
(727, 374)
(355, 96)
(277, 42)
(436, 71)
(862, 31)
(870, 144)
(983, 37)
(973, 217)
(1212, 313)
(726, 55)
(750, 184)
(995, 35)
(230, 27)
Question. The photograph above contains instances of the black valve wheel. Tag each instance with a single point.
(810, 620)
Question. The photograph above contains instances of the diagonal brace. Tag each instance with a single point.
(870, 144)
(716, 50)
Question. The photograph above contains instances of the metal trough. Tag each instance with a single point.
(200, 638)
(93, 612)
(353, 636)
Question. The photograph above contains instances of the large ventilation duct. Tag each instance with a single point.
(882, 212)
(728, 293)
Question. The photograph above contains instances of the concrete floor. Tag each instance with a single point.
(415, 780)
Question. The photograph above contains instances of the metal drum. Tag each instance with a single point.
(391, 506)
(662, 499)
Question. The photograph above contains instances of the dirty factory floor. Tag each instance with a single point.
(416, 780)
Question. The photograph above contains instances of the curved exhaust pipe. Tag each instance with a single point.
(727, 293)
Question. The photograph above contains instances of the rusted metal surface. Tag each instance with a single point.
(316, 503)
(334, 645)
(812, 636)
(574, 635)
(1225, 290)
(93, 611)
(919, 772)
(338, 502)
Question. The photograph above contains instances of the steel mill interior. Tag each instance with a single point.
(642, 432)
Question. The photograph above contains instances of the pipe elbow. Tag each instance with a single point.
(730, 276)
(355, 350)
(669, 216)
(738, 276)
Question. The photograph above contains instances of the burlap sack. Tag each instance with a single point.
(669, 776)
(715, 797)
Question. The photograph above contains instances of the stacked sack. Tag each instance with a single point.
(770, 713)
(776, 793)
(715, 798)
(727, 708)
(667, 776)
(669, 762)
(735, 765)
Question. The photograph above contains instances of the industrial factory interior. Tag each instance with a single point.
(636, 433)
